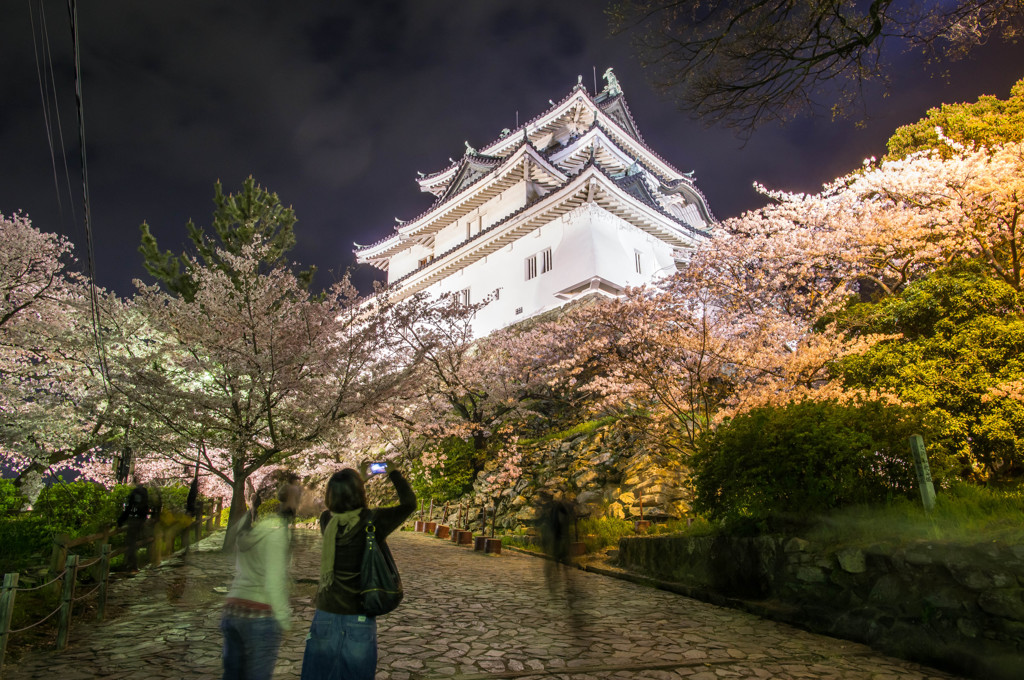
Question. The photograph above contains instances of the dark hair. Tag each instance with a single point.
(345, 491)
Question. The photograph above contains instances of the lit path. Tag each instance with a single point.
(466, 616)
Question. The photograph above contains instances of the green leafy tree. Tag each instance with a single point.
(958, 351)
(986, 122)
(253, 214)
(803, 458)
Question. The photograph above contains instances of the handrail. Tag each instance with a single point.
(205, 522)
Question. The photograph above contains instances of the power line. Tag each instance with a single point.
(94, 305)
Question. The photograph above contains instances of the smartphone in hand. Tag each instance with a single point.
(378, 468)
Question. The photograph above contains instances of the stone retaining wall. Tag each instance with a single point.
(959, 607)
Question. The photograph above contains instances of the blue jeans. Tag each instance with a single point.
(340, 647)
(250, 647)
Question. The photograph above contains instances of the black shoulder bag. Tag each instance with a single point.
(381, 586)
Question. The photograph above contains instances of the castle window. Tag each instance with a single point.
(423, 262)
(464, 296)
(546, 262)
(519, 310)
(637, 262)
(531, 267)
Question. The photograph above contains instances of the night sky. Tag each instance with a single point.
(336, 105)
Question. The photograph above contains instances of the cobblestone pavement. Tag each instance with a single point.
(466, 616)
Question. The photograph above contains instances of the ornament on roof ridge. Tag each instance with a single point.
(612, 88)
(505, 132)
(469, 149)
(400, 221)
(551, 101)
(689, 174)
(420, 173)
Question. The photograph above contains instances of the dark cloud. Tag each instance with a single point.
(335, 106)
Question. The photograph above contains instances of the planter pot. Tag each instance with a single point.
(455, 535)
(577, 549)
(479, 542)
(641, 525)
(465, 537)
(441, 531)
(419, 525)
(492, 545)
(429, 527)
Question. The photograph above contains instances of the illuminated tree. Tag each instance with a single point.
(987, 122)
(252, 370)
(54, 407)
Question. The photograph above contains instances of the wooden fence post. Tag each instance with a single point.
(67, 594)
(104, 576)
(60, 552)
(6, 609)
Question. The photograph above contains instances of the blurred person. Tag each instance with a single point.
(133, 517)
(342, 640)
(556, 521)
(257, 611)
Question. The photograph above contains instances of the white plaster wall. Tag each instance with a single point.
(585, 243)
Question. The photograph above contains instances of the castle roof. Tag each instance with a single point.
(581, 134)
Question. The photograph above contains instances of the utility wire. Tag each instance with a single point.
(43, 92)
(56, 111)
(94, 305)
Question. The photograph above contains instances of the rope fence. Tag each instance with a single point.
(40, 621)
(158, 546)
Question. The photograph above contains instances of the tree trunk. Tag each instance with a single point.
(237, 509)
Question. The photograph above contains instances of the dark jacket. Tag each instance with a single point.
(136, 507)
(342, 596)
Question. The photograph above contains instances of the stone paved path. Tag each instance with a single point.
(466, 616)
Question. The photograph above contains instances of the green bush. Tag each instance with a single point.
(602, 532)
(10, 500)
(20, 537)
(451, 481)
(804, 458)
(267, 508)
(172, 498)
(78, 508)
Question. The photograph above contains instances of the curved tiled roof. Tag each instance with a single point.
(438, 202)
(590, 163)
(524, 139)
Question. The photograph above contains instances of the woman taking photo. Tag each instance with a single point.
(342, 640)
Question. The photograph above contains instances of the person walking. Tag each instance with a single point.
(133, 517)
(256, 611)
(342, 640)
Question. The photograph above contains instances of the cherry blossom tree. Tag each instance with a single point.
(54, 407)
(253, 367)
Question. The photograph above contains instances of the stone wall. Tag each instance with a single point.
(609, 472)
(959, 607)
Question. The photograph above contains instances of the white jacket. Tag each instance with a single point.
(261, 567)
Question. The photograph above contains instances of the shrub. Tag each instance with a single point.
(78, 508)
(451, 478)
(21, 537)
(602, 532)
(10, 499)
(268, 507)
(805, 457)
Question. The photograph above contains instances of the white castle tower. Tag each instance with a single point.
(569, 204)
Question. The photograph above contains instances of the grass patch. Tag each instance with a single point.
(582, 428)
(963, 514)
